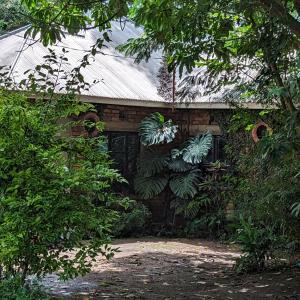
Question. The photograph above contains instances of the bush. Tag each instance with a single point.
(259, 244)
(50, 182)
(13, 289)
(133, 220)
(266, 189)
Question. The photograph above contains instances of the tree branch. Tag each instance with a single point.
(276, 9)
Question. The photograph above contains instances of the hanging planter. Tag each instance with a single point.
(260, 130)
(90, 120)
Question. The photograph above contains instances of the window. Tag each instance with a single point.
(217, 150)
(124, 150)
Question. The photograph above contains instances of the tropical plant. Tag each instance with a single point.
(205, 213)
(296, 209)
(155, 130)
(176, 173)
(132, 221)
(157, 171)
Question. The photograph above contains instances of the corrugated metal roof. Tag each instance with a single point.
(119, 77)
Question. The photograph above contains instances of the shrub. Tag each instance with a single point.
(258, 244)
(50, 182)
(13, 289)
(133, 220)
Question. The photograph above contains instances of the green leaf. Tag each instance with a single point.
(197, 148)
(179, 165)
(149, 187)
(185, 185)
(155, 130)
(151, 163)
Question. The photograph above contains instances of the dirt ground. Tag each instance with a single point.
(154, 268)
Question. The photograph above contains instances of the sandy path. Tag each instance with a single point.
(153, 268)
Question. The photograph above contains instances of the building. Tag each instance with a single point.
(125, 92)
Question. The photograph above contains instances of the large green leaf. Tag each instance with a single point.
(155, 130)
(151, 163)
(197, 148)
(179, 165)
(149, 187)
(185, 185)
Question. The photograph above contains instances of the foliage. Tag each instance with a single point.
(157, 171)
(132, 220)
(258, 245)
(155, 130)
(149, 187)
(253, 47)
(185, 185)
(12, 15)
(51, 19)
(55, 189)
(268, 185)
(197, 148)
(206, 212)
(265, 190)
(13, 289)
(48, 184)
(197, 196)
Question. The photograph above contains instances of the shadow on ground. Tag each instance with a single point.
(174, 269)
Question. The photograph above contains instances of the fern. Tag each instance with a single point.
(185, 185)
(155, 130)
(151, 163)
(149, 187)
(197, 148)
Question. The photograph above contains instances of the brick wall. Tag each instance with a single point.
(128, 118)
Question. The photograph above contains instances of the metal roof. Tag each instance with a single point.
(120, 79)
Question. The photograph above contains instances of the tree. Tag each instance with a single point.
(235, 43)
(251, 44)
(12, 15)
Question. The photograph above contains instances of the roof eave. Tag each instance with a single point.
(161, 104)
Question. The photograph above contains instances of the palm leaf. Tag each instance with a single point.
(155, 130)
(151, 163)
(149, 187)
(197, 148)
(185, 185)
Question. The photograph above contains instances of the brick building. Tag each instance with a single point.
(125, 92)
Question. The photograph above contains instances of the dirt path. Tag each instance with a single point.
(175, 269)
